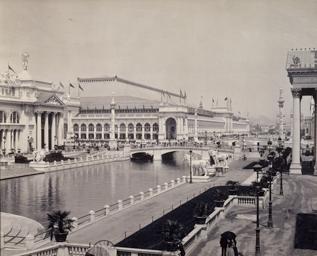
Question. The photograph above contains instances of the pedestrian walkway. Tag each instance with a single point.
(126, 222)
(298, 194)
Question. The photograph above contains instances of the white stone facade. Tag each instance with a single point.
(33, 113)
(154, 122)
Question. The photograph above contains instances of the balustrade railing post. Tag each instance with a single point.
(151, 191)
(165, 185)
(131, 199)
(54, 162)
(178, 180)
(29, 241)
(172, 183)
(120, 205)
(107, 209)
(142, 196)
(158, 188)
(184, 178)
(62, 161)
(92, 216)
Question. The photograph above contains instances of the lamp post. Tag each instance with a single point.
(257, 167)
(257, 230)
(270, 219)
(190, 166)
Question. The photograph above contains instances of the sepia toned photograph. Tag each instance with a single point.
(158, 127)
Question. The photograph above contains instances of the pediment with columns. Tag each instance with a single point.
(54, 100)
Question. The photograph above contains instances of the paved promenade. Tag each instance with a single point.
(298, 193)
(114, 227)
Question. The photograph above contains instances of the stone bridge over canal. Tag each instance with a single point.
(158, 152)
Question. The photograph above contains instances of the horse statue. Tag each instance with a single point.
(219, 158)
(197, 165)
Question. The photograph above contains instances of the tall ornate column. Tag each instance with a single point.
(196, 126)
(296, 165)
(186, 128)
(134, 131)
(60, 136)
(18, 139)
(143, 131)
(38, 131)
(53, 135)
(8, 145)
(126, 133)
(46, 130)
(151, 131)
(315, 131)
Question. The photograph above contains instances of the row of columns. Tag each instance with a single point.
(126, 132)
(57, 136)
(10, 139)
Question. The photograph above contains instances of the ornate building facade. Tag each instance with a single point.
(34, 114)
(137, 119)
(37, 115)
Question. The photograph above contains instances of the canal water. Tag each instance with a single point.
(87, 188)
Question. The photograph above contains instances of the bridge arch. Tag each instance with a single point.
(170, 125)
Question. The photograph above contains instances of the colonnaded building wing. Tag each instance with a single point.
(38, 115)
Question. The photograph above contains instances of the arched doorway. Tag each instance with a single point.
(170, 129)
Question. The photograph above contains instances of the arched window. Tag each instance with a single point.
(3, 117)
(75, 127)
(147, 127)
(83, 128)
(131, 128)
(155, 127)
(91, 127)
(139, 127)
(14, 117)
(98, 127)
(107, 127)
(122, 128)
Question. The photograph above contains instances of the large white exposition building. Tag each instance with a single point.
(36, 114)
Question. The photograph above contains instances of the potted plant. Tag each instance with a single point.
(173, 233)
(201, 212)
(59, 224)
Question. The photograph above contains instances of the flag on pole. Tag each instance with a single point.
(10, 68)
(81, 88)
(71, 85)
(61, 85)
(185, 95)
(213, 101)
(180, 93)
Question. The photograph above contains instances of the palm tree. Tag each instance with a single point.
(172, 232)
(59, 225)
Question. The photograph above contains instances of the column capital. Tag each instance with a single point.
(296, 92)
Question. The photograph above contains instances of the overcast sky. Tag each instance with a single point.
(212, 49)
